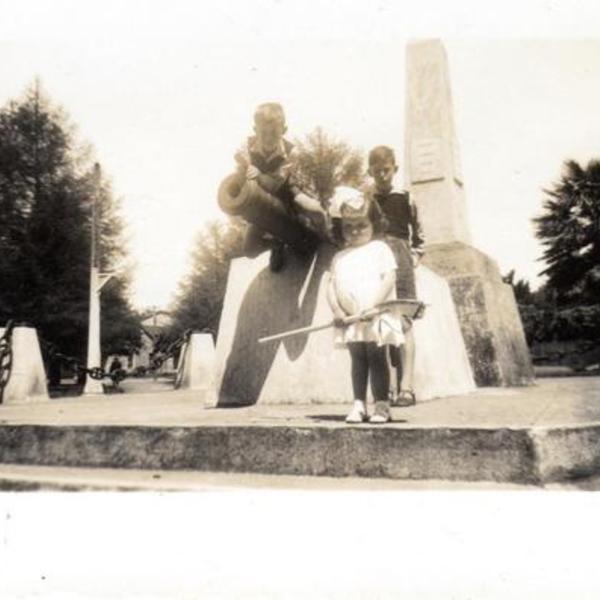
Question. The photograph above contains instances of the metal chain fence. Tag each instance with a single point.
(52, 353)
(6, 357)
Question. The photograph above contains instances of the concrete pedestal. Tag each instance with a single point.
(27, 381)
(488, 314)
(198, 365)
(306, 368)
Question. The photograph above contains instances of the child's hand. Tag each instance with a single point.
(252, 172)
(416, 259)
(308, 203)
(339, 318)
(339, 322)
(366, 314)
(241, 159)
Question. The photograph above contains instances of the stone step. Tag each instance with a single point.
(527, 436)
(521, 456)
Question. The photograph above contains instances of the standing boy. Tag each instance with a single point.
(405, 238)
(267, 158)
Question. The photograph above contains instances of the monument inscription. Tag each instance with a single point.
(427, 160)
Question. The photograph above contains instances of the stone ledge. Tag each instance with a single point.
(519, 456)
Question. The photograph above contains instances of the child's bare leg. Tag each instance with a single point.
(407, 355)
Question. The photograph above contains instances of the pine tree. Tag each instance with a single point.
(199, 301)
(46, 186)
(569, 229)
(521, 288)
(323, 163)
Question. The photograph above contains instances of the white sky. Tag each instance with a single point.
(165, 92)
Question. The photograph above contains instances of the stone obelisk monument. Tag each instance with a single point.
(486, 306)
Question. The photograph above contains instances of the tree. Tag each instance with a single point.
(46, 184)
(321, 163)
(521, 289)
(569, 228)
(199, 301)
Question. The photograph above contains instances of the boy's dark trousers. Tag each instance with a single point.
(257, 240)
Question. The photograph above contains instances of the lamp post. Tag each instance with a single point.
(97, 282)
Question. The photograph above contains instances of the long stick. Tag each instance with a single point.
(292, 332)
(311, 328)
(415, 306)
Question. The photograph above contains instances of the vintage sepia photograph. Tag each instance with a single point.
(335, 260)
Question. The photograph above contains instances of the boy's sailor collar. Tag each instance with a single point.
(283, 149)
(395, 189)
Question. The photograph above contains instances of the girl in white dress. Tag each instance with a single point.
(362, 276)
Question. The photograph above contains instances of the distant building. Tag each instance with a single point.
(153, 329)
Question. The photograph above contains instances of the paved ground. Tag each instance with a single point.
(34, 478)
(552, 402)
(30, 478)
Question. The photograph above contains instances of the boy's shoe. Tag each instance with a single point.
(405, 398)
(277, 258)
(358, 414)
(382, 413)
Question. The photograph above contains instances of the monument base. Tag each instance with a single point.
(196, 371)
(306, 368)
(488, 314)
(27, 382)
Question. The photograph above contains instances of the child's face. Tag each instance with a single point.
(357, 231)
(269, 135)
(383, 174)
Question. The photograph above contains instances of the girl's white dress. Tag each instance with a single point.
(357, 273)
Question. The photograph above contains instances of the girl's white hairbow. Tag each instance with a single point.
(348, 196)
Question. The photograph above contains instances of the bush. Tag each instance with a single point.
(573, 323)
